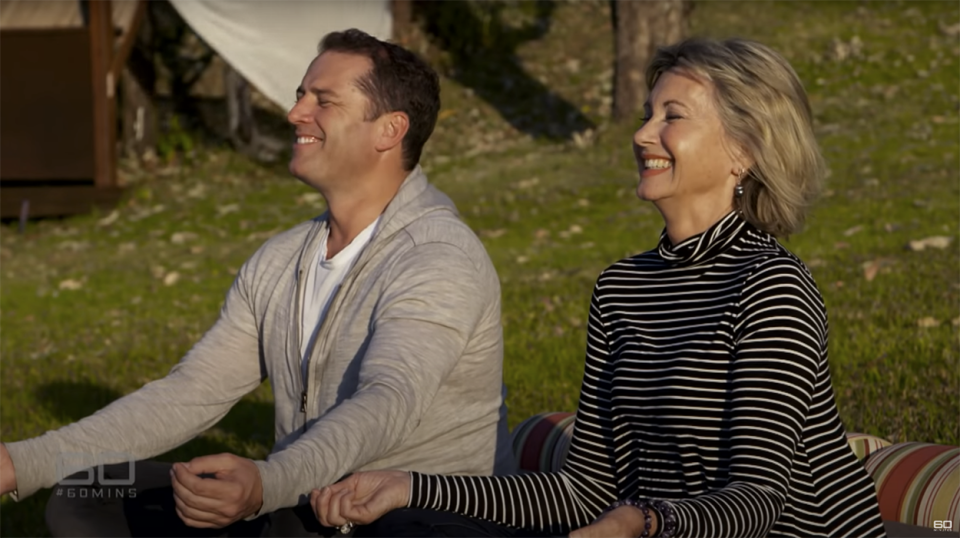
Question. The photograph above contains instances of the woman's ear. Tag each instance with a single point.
(741, 160)
(391, 130)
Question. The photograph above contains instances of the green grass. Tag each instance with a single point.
(552, 215)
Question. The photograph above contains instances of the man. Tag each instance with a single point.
(378, 324)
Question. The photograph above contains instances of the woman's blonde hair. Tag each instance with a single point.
(764, 110)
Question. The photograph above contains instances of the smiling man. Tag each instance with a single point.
(378, 324)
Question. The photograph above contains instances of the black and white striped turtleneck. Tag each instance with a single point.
(706, 384)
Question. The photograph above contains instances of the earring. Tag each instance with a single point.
(738, 190)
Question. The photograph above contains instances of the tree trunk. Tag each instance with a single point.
(402, 11)
(640, 27)
(138, 80)
(242, 130)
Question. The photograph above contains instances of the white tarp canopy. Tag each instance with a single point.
(271, 43)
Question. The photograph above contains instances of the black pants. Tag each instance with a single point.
(146, 508)
(415, 522)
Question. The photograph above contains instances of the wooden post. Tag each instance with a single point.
(104, 88)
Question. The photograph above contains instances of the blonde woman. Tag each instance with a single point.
(706, 407)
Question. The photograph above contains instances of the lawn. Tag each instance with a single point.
(95, 306)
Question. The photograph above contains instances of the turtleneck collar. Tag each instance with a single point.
(704, 245)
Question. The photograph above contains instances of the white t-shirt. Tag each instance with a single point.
(323, 279)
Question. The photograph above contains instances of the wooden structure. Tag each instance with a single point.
(60, 62)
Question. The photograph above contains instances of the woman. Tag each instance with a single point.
(706, 407)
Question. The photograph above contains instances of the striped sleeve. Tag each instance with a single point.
(549, 502)
(780, 343)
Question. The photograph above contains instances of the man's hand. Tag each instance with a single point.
(8, 475)
(361, 498)
(232, 492)
(622, 522)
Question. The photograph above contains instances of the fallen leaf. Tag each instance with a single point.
(493, 234)
(260, 236)
(73, 246)
(171, 278)
(871, 268)
(850, 231)
(949, 30)
(522, 259)
(955, 322)
(70, 284)
(936, 241)
(180, 238)
(541, 233)
(309, 198)
(109, 219)
(816, 262)
(196, 249)
(575, 229)
(583, 202)
(527, 183)
(227, 209)
(197, 192)
(928, 322)
(840, 244)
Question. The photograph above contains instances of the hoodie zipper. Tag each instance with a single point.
(300, 365)
(321, 333)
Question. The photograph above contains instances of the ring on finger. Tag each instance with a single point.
(346, 527)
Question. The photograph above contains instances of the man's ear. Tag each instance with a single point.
(391, 130)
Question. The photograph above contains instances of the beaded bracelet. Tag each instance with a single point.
(666, 516)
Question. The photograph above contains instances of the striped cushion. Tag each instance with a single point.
(863, 444)
(917, 483)
(541, 442)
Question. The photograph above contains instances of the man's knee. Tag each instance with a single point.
(75, 510)
(80, 505)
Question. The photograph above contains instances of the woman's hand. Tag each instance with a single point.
(361, 498)
(621, 522)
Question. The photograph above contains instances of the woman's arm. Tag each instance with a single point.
(780, 346)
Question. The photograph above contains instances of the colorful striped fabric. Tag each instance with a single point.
(863, 445)
(917, 483)
(541, 442)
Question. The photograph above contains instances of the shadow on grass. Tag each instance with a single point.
(483, 52)
(70, 401)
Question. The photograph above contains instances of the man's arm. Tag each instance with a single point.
(435, 299)
(222, 367)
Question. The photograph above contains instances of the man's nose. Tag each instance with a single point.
(296, 113)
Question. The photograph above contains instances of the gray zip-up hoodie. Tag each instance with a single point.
(406, 372)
